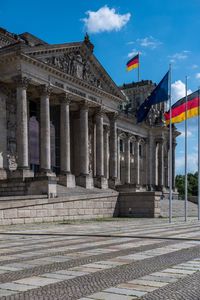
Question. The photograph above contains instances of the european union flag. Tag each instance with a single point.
(159, 94)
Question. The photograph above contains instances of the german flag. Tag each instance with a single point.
(182, 110)
(133, 63)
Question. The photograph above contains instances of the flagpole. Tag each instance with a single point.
(170, 147)
(186, 146)
(138, 67)
(199, 154)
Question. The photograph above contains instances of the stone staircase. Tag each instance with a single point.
(178, 208)
(12, 188)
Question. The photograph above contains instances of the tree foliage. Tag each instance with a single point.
(192, 184)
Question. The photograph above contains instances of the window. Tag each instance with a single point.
(131, 148)
(140, 150)
(121, 146)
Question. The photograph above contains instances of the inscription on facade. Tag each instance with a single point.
(74, 90)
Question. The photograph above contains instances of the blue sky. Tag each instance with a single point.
(162, 31)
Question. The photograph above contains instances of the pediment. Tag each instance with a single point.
(78, 62)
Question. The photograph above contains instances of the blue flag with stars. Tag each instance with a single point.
(159, 94)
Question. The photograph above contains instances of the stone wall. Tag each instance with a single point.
(139, 204)
(33, 210)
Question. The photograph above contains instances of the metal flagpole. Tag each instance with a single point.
(138, 66)
(199, 154)
(186, 128)
(170, 147)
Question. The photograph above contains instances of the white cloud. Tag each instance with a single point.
(195, 66)
(130, 43)
(189, 133)
(105, 19)
(149, 42)
(178, 90)
(192, 162)
(134, 52)
(198, 76)
(179, 56)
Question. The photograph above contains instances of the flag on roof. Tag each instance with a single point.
(133, 63)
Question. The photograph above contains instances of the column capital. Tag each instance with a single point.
(84, 105)
(100, 111)
(45, 90)
(160, 141)
(113, 116)
(21, 81)
(65, 98)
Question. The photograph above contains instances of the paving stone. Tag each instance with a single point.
(16, 287)
(37, 281)
(109, 296)
(4, 293)
(127, 292)
(142, 288)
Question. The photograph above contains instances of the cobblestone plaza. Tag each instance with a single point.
(123, 259)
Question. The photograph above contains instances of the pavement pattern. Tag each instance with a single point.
(121, 259)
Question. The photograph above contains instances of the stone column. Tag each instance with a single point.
(45, 145)
(84, 179)
(66, 177)
(160, 164)
(113, 150)
(100, 180)
(118, 156)
(22, 128)
(151, 162)
(106, 152)
(137, 161)
(166, 165)
(174, 144)
(127, 160)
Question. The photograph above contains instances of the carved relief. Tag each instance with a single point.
(153, 117)
(74, 64)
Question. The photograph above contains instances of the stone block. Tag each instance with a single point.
(41, 213)
(25, 213)
(58, 205)
(17, 221)
(10, 213)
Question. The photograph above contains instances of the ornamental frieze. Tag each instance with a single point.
(75, 65)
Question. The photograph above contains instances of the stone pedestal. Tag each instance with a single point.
(101, 182)
(21, 174)
(85, 181)
(67, 180)
(46, 185)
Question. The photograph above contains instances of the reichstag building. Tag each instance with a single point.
(67, 127)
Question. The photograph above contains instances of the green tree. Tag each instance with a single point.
(192, 184)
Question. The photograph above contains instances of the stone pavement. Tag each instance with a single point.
(120, 259)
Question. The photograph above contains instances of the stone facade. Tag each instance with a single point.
(64, 122)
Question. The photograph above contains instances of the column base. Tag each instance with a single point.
(21, 173)
(46, 185)
(46, 173)
(85, 181)
(113, 182)
(101, 182)
(67, 180)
